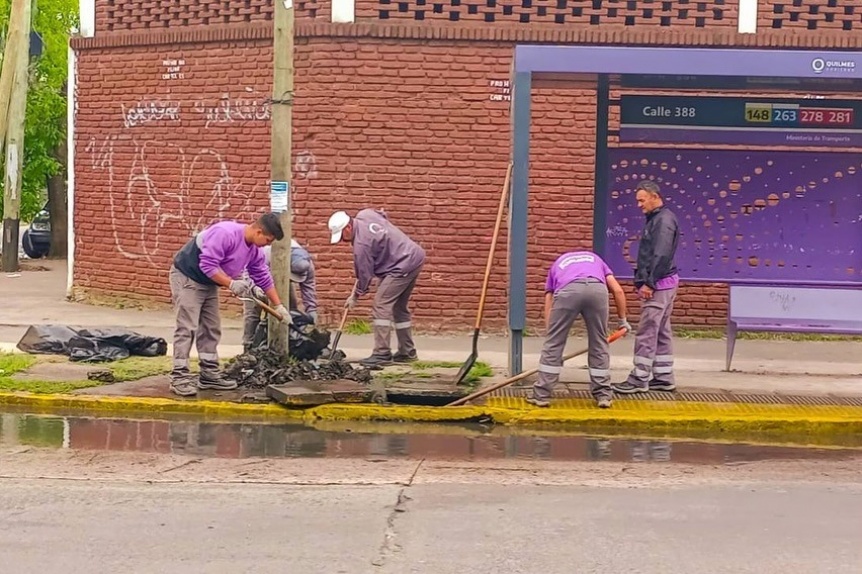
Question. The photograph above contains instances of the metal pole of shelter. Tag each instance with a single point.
(521, 96)
(600, 179)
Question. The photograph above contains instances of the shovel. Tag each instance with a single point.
(471, 360)
(340, 329)
(482, 392)
(263, 306)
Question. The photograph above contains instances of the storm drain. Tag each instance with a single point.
(761, 399)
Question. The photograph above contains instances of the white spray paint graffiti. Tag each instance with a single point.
(305, 166)
(230, 110)
(147, 204)
(146, 111)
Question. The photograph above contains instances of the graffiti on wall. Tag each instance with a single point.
(764, 215)
(148, 203)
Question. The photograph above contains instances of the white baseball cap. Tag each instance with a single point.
(337, 222)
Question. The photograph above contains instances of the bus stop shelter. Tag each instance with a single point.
(716, 121)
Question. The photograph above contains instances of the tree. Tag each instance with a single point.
(45, 125)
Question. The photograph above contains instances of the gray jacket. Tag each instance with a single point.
(381, 249)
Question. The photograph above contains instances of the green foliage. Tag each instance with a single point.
(357, 327)
(45, 125)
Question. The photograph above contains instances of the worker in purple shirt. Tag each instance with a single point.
(216, 257)
(382, 250)
(578, 284)
(656, 281)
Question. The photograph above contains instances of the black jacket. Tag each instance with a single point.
(657, 248)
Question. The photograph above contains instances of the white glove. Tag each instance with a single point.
(240, 287)
(258, 293)
(313, 316)
(285, 314)
(351, 301)
(624, 324)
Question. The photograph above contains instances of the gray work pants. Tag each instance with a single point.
(588, 298)
(654, 341)
(390, 306)
(198, 320)
(251, 317)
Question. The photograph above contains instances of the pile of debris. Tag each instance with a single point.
(310, 359)
(261, 367)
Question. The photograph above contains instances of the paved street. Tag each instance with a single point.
(127, 512)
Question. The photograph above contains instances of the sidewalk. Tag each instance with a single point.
(762, 367)
(802, 393)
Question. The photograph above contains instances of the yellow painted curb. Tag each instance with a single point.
(662, 417)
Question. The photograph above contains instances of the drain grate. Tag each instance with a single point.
(688, 396)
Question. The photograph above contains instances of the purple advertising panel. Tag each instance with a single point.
(764, 216)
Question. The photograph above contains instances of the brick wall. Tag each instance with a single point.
(172, 132)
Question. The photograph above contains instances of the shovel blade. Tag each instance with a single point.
(465, 368)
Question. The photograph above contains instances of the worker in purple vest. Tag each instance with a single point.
(382, 250)
(216, 257)
(656, 281)
(578, 284)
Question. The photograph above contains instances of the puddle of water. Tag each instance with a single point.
(252, 440)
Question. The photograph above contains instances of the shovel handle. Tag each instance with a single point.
(482, 392)
(263, 306)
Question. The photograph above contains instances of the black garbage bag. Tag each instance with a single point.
(305, 342)
(90, 345)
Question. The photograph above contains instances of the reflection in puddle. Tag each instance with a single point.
(248, 440)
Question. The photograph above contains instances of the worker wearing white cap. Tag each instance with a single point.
(382, 250)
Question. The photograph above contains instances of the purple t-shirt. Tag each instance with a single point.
(576, 265)
(223, 246)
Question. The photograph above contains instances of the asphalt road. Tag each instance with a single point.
(127, 513)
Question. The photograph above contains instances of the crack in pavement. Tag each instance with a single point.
(389, 546)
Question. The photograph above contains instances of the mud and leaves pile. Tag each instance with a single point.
(309, 360)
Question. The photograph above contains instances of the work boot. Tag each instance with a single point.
(410, 357)
(655, 385)
(541, 403)
(184, 388)
(216, 382)
(626, 388)
(376, 361)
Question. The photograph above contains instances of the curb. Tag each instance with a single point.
(810, 424)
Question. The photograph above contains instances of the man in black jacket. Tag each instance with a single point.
(656, 281)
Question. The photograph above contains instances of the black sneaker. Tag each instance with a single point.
(655, 385)
(627, 388)
(405, 358)
(376, 361)
(216, 383)
(184, 388)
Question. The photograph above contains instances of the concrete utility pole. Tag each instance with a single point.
(282, 128)
(12, 129)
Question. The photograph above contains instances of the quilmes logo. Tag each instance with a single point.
(820, 65)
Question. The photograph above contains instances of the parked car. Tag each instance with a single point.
(36, 241)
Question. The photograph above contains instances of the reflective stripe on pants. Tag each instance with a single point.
(589, 300)
(654, 341)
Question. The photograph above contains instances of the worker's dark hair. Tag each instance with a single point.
(270, 225)
(650, 187)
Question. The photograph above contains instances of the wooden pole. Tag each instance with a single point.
(14, 149)
(282, 128)
(10, 59)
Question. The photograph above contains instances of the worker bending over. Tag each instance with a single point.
(216, 257)
(577, 284)
(382, 250)
(301, 273)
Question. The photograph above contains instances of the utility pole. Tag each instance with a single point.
(280, 159)
(13, 129)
